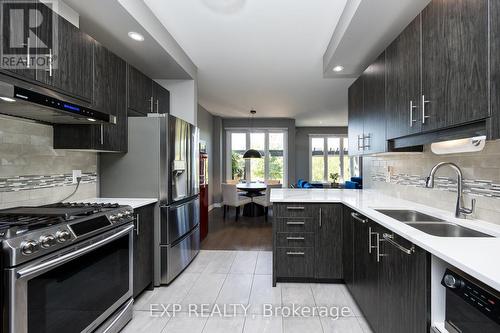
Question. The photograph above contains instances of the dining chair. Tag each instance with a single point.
(265, 200)
(231, 198)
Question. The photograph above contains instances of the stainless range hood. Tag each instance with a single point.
(20, 99)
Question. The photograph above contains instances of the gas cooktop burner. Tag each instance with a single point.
(85, 205)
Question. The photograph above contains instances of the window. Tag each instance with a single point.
(271, 143)
(328, 155)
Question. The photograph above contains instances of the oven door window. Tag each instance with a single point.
(72, 296)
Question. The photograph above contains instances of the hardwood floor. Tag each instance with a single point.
(246, 234)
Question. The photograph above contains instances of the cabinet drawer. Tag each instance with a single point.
(295, 210)
(295, 262)
(295, 224)
(295, 239)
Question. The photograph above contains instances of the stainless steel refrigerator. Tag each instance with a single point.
(162, 162)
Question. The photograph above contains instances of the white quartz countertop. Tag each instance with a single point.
(133, 202)
(475, 256)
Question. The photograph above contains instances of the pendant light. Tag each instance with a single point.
(252, 153)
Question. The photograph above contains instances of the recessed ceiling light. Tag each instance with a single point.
(91, 119)
(7, 99)
(338, 68)
(136, 36)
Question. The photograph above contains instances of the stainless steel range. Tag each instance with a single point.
(67, 268)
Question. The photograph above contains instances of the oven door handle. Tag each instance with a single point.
(28, 271)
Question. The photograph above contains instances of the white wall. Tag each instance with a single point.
(183, 98)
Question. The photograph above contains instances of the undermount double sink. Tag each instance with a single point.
(429, 224)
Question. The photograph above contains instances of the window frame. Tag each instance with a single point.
(266, 131)
(325, 138)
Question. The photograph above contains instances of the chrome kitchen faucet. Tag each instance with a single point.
(460, 210)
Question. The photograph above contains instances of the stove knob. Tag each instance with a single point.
(29, 247)
(47, 241)
(119, 215)
(113, 218)
(63, 236)
(451, 282)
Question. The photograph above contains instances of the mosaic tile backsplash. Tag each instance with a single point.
(409, 171)
(33, 173)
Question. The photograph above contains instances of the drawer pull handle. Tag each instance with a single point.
(295, 253)
(295, 238)
(295, 208)
(390, 239)
(296, 223)
(357, 217)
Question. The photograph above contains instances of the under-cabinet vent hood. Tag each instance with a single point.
(22, 100)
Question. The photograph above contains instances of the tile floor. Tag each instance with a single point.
(218, 278)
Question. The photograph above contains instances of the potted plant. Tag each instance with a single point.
(334, 176)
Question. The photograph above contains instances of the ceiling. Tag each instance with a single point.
(109, 21)
(263, 55)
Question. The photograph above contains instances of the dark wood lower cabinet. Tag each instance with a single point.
(329, 243)
(389, 278)
(347, 247)
(365, 271)
(307, 242)
(143, 248)
(404, 289)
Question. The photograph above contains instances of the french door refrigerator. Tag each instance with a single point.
(161, 162)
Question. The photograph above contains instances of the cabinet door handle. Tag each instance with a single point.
(296, 222)
(412, 107)
(360, 146)
(357, 217)
(157, 106)
(50, 63)
(151, 104)
(424, 101)
(320, 219)
(137, 224)
(295, 238)
(370, 243)
(295, 208)
(390, 239)
(102, 134)
(28, 53)
(366, 137)
(295, 253)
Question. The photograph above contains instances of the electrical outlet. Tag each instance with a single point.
(76, 174)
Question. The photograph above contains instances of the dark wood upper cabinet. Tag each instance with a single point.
(329, 242)
(374, 112)
(12, 28)
(140, 93)
(161, 98)
(404, 287)
(494, 130)
(454, 63)
(403, 82)
(109, 97)
(72, 72)
(110, 91)
(355, 117)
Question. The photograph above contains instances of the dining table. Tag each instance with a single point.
(252, 190)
